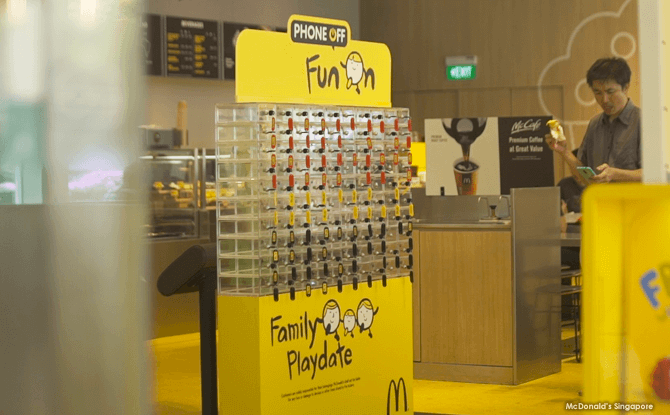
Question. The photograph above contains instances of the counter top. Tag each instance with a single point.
(572, 239)
(501, 224)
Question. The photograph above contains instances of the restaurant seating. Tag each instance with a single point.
(571, 289)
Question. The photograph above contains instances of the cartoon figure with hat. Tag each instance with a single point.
(331, 318)
(349, 322)
(355, 70)
(366, 313)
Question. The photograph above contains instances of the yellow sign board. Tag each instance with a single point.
(314, 62)
(626, 266)
(324, 352)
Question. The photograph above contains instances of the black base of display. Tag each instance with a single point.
(207, 297)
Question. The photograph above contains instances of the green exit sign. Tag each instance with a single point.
(461, 72)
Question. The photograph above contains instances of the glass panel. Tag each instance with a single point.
(171, 175)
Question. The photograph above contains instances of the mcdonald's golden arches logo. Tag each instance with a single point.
(396, 393)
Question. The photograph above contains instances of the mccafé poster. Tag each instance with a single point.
(487, 156)
(334, 353)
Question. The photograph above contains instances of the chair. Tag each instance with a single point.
(571, 289)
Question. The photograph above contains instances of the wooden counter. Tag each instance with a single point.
(482, 314)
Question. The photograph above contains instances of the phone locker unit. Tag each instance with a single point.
(312, 197)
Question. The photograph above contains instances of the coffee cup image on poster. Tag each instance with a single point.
(462, 157)
(487, 156)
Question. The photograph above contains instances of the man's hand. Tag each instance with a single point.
(606, 174)
(612, 174)
(558, 146)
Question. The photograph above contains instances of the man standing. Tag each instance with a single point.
(611, 145)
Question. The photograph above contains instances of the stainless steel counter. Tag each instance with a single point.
(455, 209)
(571, 239)
(501, 225)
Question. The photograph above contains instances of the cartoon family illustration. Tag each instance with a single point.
(331, 318)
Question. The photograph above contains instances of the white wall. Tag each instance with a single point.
(653, 59)
(201, 95)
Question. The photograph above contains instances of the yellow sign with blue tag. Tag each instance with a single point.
(316, 62)
(626, 318)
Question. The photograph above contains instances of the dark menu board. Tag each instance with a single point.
(151, 44)
(192, 47)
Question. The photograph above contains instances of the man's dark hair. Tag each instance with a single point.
(609, 68)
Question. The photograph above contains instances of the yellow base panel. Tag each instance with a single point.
(336, 353)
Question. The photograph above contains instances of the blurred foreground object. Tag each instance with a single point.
(74, 303)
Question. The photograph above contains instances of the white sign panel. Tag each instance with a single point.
(467, 162)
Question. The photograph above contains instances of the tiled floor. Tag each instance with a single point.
(177, 387)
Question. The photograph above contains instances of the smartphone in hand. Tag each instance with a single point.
(586, 172)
